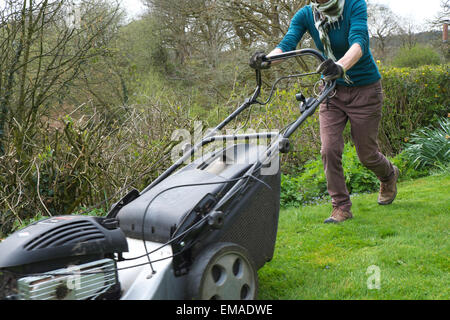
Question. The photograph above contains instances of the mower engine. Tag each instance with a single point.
(64, 258)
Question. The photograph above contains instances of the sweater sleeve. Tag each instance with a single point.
(358, 32)
(295, 32)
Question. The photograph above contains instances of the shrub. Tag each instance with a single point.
(311, 185)
(406, 167)
(358, 178)
(415, 57)
(414, 98)
(87, 161)
(430, 147)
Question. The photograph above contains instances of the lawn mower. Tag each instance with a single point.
(200, 230)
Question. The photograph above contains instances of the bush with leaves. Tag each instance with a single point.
(430, 147)
(416, 56)
(90, 159)
(414, 98)
(311, 185)
(407, 168)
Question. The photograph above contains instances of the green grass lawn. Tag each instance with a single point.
(408, 241)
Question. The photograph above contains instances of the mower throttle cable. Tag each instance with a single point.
(298, 75)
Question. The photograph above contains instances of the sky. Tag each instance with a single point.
(419, 10)
(133, 7)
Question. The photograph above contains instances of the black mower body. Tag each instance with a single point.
(61, 241)
(249, 219)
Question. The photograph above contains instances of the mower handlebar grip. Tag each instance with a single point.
(295, 53)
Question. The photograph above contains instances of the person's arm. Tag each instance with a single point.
(358, 37)
(351, 57)
(275, 52)
(297, 29)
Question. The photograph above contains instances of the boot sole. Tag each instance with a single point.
(335, 221)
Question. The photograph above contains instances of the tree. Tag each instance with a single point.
(212, 26)
(42, 54)
(443, 16)
(408, 32)
(383, 24)
(175, 18)
(260, 21)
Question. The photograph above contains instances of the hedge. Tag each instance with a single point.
(414, 98)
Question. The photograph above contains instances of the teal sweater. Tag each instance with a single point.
(352, 29)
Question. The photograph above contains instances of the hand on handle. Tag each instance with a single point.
(257, 61)
(331, 70)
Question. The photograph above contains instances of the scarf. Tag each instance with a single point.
(326, 15)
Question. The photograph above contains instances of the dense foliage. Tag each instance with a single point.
(310, 186)
(414, 98)
(430, 146)
(416, 56)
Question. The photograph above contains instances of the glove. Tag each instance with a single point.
(331, 70)
(257, 61)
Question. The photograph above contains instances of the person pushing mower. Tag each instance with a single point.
(339, 30)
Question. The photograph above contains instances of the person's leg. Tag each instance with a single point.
(365, 114)
(332, 121)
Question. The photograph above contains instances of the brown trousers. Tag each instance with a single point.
(362, 107)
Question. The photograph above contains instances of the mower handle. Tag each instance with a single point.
(296, 53)
(281, 57)
(329, 86)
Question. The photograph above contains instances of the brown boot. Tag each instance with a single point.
(388, 190)
(339, 215)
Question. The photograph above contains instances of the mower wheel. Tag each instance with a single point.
(223, 271)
